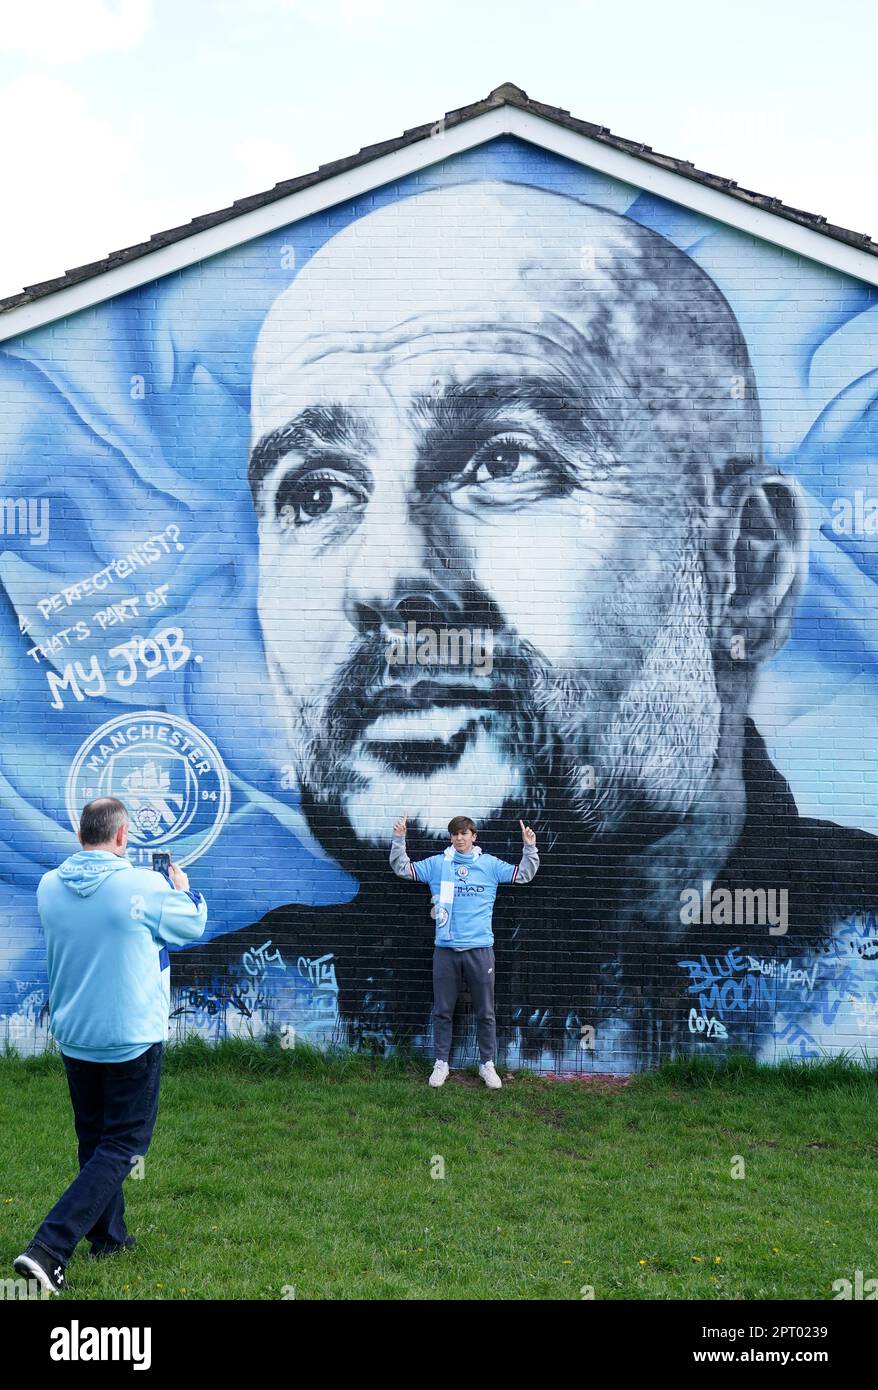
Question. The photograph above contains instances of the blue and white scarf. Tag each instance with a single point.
(445, 904)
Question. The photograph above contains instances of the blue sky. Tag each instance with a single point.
(122, 117)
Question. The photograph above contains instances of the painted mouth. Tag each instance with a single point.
(430, 695)
(420, 741)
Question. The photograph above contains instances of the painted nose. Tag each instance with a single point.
(424, 604)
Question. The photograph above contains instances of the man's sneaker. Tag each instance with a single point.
(38, 1264)
(439, 1074)
(489, 1076)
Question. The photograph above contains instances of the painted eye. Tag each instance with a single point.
(503, 456)
(499, 459)
(301, 500)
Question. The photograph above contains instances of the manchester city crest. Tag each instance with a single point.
(168, 774)
(462, 871)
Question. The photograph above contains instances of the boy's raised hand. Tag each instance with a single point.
(528, 836)
(399, 828)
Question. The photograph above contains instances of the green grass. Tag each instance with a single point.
(272, 1169)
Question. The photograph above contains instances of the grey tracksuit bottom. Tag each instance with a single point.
(450, 968)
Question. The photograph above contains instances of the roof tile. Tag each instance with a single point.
(508, 93)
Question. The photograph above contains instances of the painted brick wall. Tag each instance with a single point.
(508, 491)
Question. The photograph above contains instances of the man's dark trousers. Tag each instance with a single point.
(450, 968)
(114, 1106)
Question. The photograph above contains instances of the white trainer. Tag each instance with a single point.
(439, 1074)
(489, 1076)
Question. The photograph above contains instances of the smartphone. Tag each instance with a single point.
(161, 863)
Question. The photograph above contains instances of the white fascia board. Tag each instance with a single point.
(410, 159)
(247, 226)
(698, 197)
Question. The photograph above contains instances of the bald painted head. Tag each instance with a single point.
(497, 410)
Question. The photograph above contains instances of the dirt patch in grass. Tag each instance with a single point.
(594, 1078)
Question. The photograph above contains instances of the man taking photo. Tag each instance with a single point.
(107, 927)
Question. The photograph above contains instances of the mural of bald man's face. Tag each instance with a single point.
(494, 409)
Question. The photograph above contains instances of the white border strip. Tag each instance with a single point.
(698, 197)
(503, 120)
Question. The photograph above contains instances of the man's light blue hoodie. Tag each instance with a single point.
(107, 927)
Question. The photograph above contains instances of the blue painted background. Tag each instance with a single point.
(132, 417)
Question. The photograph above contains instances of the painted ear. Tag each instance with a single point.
(766, 564)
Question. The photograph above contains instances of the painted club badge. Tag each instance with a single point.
(168, 774)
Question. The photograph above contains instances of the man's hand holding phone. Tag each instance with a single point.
(178, 877)
(162, 865)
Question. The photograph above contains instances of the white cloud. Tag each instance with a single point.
(65, 31)
(74, 186)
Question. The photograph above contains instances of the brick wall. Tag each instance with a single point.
(507, 491)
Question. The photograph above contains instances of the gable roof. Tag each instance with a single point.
(535, 121)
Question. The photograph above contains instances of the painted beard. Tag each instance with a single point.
(430, 737)
(555, 743)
